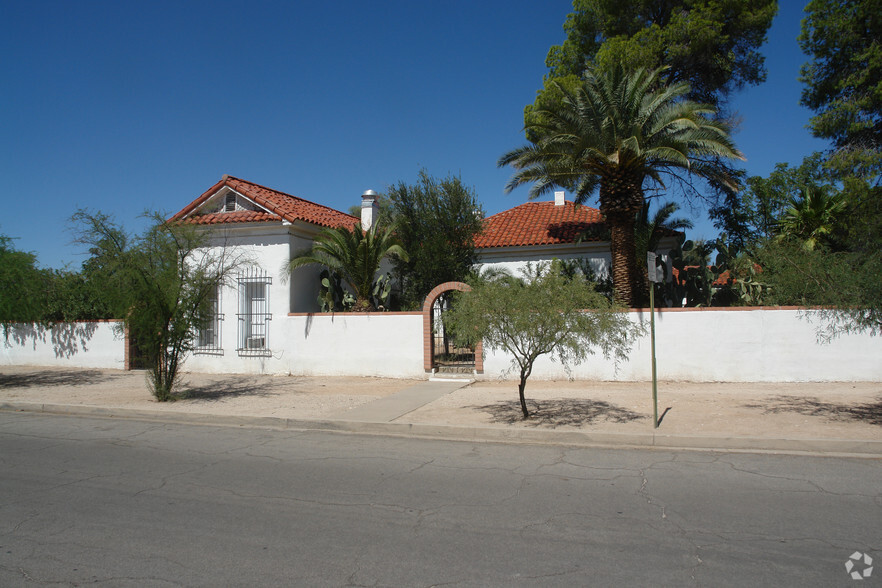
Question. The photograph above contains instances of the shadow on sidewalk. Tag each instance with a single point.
(228, 388)
(48, 378)
(558, 412)
(870, 412)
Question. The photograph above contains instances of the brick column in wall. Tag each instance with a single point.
(427, 325)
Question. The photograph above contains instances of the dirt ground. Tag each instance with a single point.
(850, 410)
(278, 396)
(842, 410)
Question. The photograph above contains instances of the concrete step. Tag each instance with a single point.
(453, 374)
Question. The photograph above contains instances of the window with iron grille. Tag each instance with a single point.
(254, 314)
(208, 338)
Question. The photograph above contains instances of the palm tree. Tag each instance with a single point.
(648, 232)
(355, 255)
(608, 136)
(812, 216)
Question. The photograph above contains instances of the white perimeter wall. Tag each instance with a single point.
(736, 345)
(84, 344)
(745, 345)
(339, 344)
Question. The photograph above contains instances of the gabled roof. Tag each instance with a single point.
(541, 223)
(277, 206)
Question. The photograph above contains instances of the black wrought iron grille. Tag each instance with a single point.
(208, 338)
(254, 313)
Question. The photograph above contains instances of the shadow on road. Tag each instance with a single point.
(48, 378)
(559, 412)
(870, 412)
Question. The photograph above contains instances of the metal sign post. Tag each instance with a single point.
(653, 278)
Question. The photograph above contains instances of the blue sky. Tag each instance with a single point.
(124, 107)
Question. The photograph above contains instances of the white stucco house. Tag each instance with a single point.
(270, 227)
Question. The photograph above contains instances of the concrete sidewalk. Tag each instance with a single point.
(829, 418)
(390, 408)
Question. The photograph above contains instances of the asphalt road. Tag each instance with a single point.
(112, 502)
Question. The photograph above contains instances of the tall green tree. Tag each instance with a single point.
(355, 256)
(438, 220)
(843, 84)
(610, 136)
(713, 45)
(22, 286)
(843, 79)
(544, 312)
(162, 281)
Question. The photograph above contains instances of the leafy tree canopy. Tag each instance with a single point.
(754, 213)
(543, 312)
(843, 79)
(22, 285)
(843, 84)
(713, 45)
(30, 294)
(438, 220)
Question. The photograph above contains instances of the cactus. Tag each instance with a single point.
(693, 284)
(382, 289)
(332, 297)
(751, 291)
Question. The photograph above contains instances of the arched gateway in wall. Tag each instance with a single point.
(429, 344)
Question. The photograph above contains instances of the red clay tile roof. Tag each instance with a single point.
(724, 279)
(541, 223)
(240, 216)
(281, 206)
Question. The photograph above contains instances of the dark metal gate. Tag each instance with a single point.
(446, 356)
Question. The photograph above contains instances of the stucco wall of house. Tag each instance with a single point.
(80, 344)
(514, 259)
(303, 283)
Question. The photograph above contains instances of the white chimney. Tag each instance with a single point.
(370, 210)
(559, 198)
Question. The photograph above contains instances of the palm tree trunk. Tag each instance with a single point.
(621, 197)
(624, 265)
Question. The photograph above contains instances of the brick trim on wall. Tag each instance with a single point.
(429, 340)
(128, 349)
